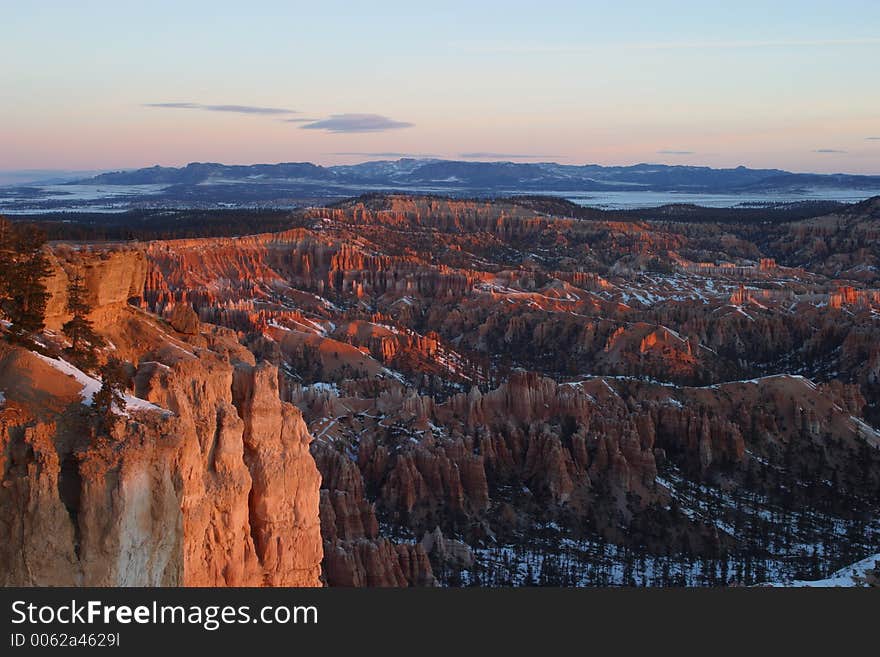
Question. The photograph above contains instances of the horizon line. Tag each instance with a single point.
(103, 170)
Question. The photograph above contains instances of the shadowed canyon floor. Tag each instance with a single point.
(492, 393)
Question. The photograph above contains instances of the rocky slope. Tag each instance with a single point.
(497, 396)
(488, 383)
(206, 481)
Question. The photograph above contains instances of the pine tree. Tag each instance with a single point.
(6, 257)
(80, 331)
(23, 266)
(109, 401)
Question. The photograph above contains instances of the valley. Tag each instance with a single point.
(495, 393)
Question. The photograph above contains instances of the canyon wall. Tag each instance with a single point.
(206, 480)
(480, 375)
(110, 276)
(497, 397)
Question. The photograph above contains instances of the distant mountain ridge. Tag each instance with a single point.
(409, 173)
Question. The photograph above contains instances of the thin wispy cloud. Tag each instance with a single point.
(235, 109)
(382, 154)
(872, 138)
(357, 123)
(298, 120)
(506, 156)
(562, 48)
(828, 150)
(674, 152)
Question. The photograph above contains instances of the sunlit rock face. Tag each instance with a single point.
(110, 277)
(206, 481)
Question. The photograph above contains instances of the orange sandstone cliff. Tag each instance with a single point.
(206, 481)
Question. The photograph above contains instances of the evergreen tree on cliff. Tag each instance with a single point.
(6, 260)
(109, 401)
(79, 330)
(23, 266)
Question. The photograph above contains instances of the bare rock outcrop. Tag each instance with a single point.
(205, 495)
(110, 276)
(354, 552)
(206, 480)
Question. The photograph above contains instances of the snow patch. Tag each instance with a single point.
(91, 385)
(323, 387)
(852, 575)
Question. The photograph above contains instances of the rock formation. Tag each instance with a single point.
(206, 481)
(497, 396)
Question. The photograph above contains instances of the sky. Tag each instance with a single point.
(96, 85)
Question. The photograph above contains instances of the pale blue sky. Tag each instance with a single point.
(792, 85)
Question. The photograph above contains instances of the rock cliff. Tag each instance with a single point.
(111, 276)
(207, 480)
